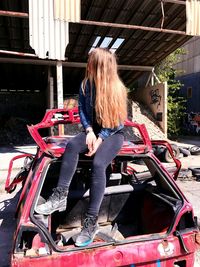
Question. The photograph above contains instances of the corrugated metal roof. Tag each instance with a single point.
(67, 10)
(140, 47)
(193, 20)
(49, 26)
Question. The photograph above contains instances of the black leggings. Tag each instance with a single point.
(102, 158)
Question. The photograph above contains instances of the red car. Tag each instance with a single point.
(145, 220)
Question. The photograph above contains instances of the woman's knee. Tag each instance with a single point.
(71, 146)
(98, 165)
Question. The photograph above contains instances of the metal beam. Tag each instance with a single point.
(105, 24)
(67, 63)
(135, 67)
(128, 26)
(13, 14)
(175, 2)
(8, 52)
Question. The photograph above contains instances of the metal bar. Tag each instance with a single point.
(135, 67)
(175, 2)
(13, 14)
(106, 24)
(68, 64)
(148, 80)
(17, 53)
(156, 77)
(127, 26)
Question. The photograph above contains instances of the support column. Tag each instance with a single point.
(59, 71)
(165, 109)
(51, 93)
(50, 90)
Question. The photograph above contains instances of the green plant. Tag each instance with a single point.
(176, 103)
(175, 107)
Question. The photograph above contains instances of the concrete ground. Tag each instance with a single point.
(189, 185)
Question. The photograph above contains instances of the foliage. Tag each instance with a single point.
(165, 70)
(176, 104)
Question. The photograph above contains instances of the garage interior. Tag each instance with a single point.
(141, 33)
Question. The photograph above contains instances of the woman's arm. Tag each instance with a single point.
(82, 110)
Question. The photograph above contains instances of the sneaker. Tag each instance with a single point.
(56, 202)
(88, 232)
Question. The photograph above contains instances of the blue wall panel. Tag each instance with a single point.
(193, 81)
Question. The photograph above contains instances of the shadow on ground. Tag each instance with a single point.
(13, 149)
(190, 140)
(7, 226)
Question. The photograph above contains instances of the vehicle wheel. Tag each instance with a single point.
(158, 150)
(195, 170)
(195, 150)
(176, 152)
(185, 152)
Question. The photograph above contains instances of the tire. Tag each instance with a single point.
(185, 152)
(158, 150)
(176, 152)
(195, 170)
(195, 150)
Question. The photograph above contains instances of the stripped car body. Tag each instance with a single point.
(145, 220)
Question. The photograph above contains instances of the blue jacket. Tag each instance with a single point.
(85, 105)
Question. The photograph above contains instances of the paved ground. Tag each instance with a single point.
(190, 186)
(7, 225)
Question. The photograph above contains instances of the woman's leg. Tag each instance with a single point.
(103, 157)
(58, 200)
(70, 159)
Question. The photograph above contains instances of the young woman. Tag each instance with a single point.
(102, 109)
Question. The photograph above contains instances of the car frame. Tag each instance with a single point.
(169, 235)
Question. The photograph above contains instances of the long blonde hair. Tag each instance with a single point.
(111, 93)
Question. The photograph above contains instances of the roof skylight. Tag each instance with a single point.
(117, 44)
(106, 42)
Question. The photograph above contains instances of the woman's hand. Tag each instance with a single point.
(90, 140)
(95, 147)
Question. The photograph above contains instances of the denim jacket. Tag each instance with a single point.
(85, 105)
